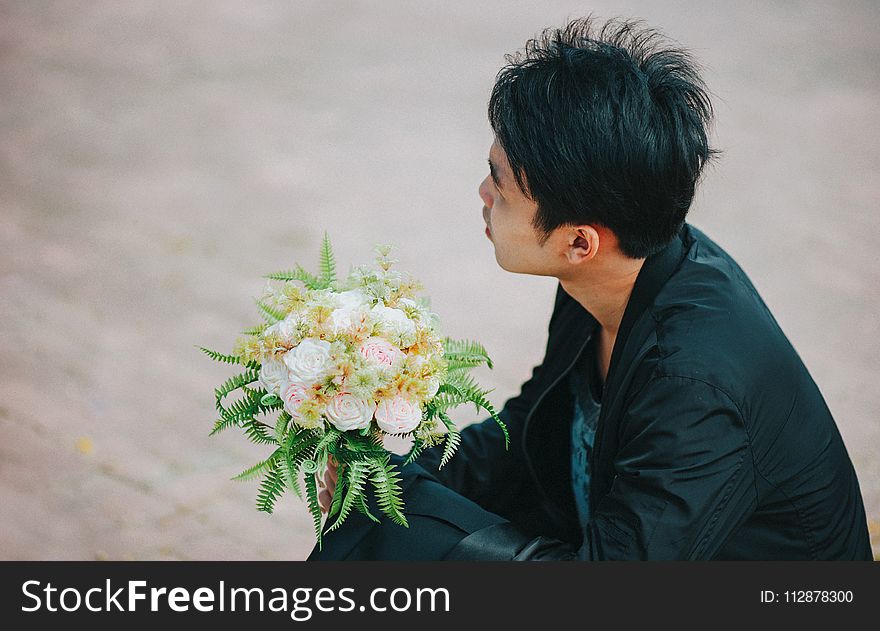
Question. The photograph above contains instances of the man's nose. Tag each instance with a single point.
(485, 193)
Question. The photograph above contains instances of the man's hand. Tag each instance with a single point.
(325, 497)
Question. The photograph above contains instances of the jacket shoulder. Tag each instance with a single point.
(712, 325)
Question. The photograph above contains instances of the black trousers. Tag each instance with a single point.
(438, 517)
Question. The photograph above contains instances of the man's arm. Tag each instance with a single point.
(482, 469)
(684, 482)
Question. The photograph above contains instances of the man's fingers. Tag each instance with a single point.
(324, 499)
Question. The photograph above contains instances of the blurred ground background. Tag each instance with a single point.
(156, 158)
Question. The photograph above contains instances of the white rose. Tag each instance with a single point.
(273, 376)
(381, 352)
(351, 299)
(433, 386)
(288, 325)
(293, 395)
(350, 306)
(394, 321)
(345, 412)
(309, 361)
(283, 328)
(398, 415)
(340, 319)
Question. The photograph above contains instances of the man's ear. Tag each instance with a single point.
(582, 244)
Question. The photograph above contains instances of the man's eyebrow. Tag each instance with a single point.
(493, 171)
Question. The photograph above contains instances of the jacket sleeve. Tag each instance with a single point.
(482, 469)
(683, 482)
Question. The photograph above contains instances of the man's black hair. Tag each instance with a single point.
(606, 127)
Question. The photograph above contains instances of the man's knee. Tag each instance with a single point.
(438, 519)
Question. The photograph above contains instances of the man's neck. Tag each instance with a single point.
(606, 294)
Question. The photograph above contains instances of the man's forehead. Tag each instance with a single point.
(498, 157)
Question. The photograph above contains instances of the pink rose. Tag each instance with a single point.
(381, 352)
(398, 415)
(293, 396)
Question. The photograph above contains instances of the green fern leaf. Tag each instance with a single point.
(453, 439)
(338, 495)
(233, 383)
(361, 505)
(281, 426)
(458, 363)
(256, 470)
(242, 410)
(387, 484)
(416, 450)
(297, 274)
(255, 330)
(227, 359)
(220, 425)
(330, 437)
(355, 475)
(258, 433)
(299, 446)
(291, 475)
(270, 314)
(462, 350)
(301, 440)
(312, 497)
(271, 488)
(328, 264)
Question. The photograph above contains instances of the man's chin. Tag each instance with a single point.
(507, 266)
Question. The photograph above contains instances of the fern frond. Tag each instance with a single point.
(330, 437)
(453, 439)
(357, 447)
(467, 391)
(270, 314)
(328, 264)
(355, 477)
(459, 362)
(221, 424)
(233, 383)
(301, 440)
(241, 410)
(338, 495)
(312, 500)
(291, 473)
(228, 359)
(299, 446)
(464, 350)
(387, 483)
(258, 433)
(257, 469)
(361, 505)
(416, 450)
(281, 426)
(271, 488)
(255, 330)
(297, 274)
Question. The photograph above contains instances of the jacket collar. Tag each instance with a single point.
(653, 275)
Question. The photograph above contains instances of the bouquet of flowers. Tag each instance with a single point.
(344, 363)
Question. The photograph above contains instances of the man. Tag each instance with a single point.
(670, 417)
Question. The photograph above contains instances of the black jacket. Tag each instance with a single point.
(713, 442)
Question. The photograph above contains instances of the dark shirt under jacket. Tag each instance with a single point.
(584, 381)
(713, 441)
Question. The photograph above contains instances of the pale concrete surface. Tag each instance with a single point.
(156, 158)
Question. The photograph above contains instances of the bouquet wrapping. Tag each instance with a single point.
(335, 367)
